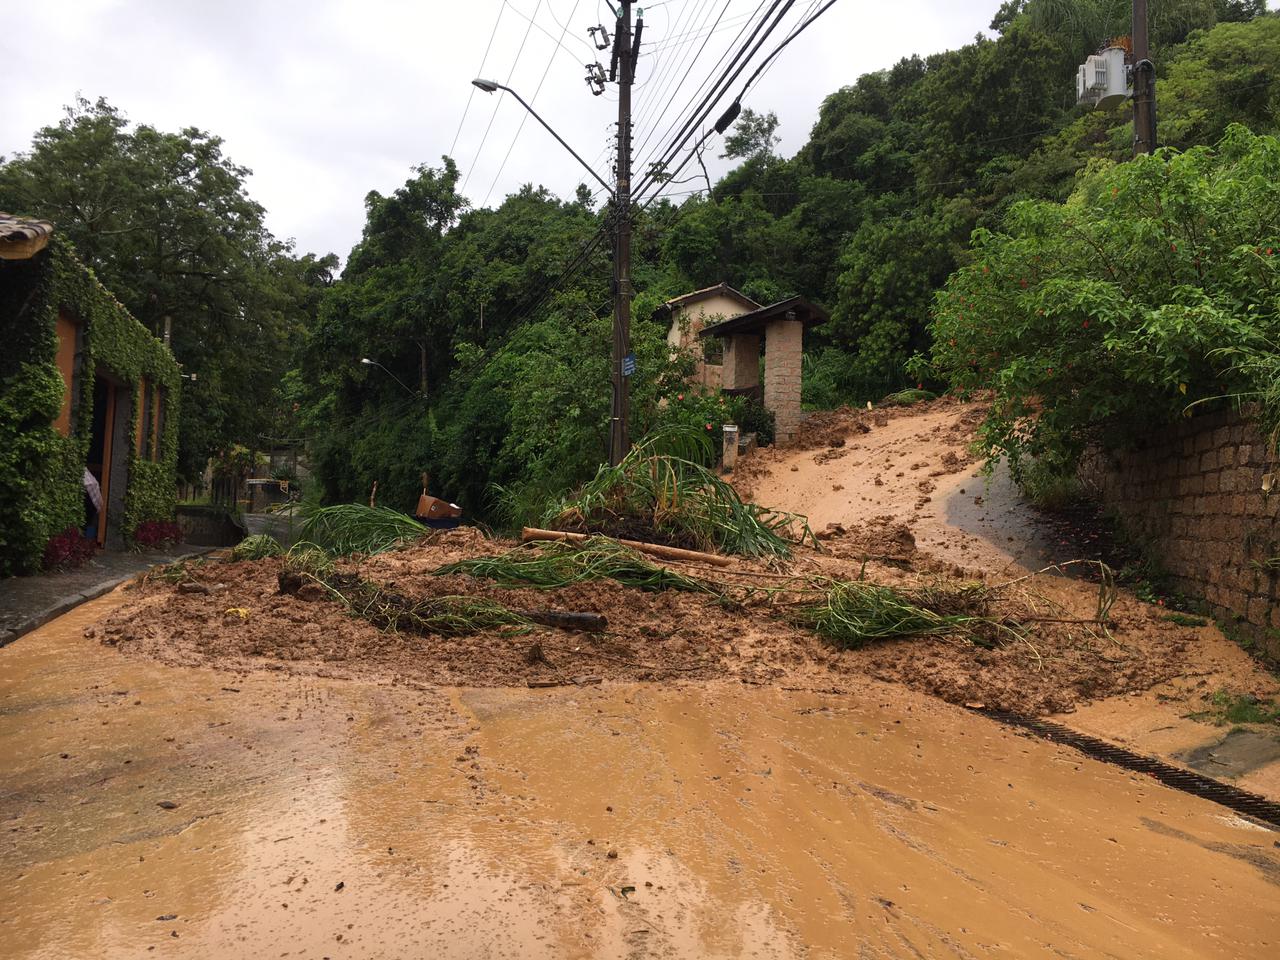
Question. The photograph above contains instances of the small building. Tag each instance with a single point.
(689, 314)
(780, 329)
(88, 403)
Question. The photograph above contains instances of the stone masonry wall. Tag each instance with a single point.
(783, 357)
(1195, 496)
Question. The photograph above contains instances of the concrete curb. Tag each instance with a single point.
(68, 603)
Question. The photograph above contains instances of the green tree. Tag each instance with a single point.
(753, 136)
(165, 221)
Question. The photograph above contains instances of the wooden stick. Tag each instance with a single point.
(567, 620)
(654, 549)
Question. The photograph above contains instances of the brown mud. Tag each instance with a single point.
(863, 490)
(197, 812)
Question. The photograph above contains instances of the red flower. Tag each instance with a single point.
(1085, 324)
(1051, 369)
(679, 396)
(1173, 247)
(708, 426)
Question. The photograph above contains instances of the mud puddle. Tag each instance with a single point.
(305, 817)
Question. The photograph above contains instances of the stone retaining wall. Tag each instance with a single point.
(1194, 496)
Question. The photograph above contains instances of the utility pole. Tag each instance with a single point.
(1144, 84)
(624, 64)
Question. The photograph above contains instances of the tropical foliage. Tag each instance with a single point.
(490, 363)
(1102, 317)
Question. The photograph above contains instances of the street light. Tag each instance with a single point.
(492, 86)
(375, 363)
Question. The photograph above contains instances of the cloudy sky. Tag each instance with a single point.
(328, 99)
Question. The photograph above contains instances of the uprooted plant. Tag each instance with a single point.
(348, 528)
(661, 491)
(550, 565)
(389, 610)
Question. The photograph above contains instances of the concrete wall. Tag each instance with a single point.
(1194, 495)
(687, 321)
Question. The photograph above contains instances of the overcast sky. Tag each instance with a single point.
(327, 99)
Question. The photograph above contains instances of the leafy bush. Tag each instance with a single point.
(258, 547)
(68, 550)
(156, 533)
(1099, 319)
(710, 412)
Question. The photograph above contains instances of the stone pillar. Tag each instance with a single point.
(784, 344)
(741, 361)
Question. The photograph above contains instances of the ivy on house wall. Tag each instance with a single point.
(41, 471)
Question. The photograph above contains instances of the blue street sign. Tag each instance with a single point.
(628, 364)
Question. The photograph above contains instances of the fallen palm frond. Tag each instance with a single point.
(853, 613)
(354, 528)
(258, 547)
(668, 498)
(551, 565)
(447, 615)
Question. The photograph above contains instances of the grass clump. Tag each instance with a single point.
(908, 397)
(354, 528)
(854, 613)
(1185, 620)
(1226, 708)
(258, 547)
(661, 491)
(549, 566)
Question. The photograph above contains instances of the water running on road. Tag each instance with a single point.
(306, 817)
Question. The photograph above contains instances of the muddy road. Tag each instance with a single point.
(152, 810)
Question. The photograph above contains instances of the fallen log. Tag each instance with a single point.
(653, 549)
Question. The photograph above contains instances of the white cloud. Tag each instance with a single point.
(326, 100)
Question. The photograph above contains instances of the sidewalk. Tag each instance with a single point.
(28, 602)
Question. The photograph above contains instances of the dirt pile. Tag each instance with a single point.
(234, 615)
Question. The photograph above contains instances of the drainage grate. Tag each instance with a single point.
(1188, 781)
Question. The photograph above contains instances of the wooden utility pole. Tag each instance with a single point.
(619, 430)
(1144, 84)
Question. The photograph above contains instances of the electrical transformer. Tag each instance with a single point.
(1103, 79)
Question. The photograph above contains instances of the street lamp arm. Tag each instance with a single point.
(374, 363)
(489, 86)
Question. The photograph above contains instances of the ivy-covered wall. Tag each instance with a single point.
(41, 471)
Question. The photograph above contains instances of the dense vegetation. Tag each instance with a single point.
(1154, 287)
(499, 374)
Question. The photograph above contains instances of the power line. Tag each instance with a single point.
(777, 50)
(728, 77)
(498, 104)
(675, 92)
(658, 71)
(525, 117)
(479, 73)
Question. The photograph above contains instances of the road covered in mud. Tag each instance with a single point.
(192, 812)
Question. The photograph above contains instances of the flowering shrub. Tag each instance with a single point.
(1152, 289)
(710, 412)
(68, 550)
(157, 533)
